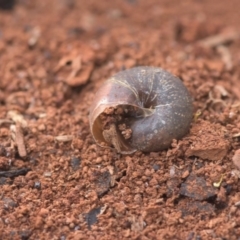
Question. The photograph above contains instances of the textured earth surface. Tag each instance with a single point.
(55, 182)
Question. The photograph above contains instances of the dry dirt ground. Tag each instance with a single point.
(55, 182)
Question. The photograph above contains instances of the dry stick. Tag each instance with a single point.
(15, 172)
(19, 139)
(220, 39)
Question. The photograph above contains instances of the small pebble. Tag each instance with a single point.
(181, 220)
(37, 185)
(47, 174)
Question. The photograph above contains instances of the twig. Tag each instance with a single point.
(15, 172)
(20, 141)
(18, 138)
(222, 38)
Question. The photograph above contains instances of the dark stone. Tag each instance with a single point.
(156, 167)
(228, 189)
(196, 187)
(75, 163)
(91, 217)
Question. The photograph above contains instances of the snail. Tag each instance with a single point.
(142, 108)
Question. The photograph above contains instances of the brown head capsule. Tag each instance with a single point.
(143, 108)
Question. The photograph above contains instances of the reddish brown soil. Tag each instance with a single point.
(55, 182)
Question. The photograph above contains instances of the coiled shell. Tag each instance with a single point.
(152, 104)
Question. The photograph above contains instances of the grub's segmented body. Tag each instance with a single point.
(162, 104)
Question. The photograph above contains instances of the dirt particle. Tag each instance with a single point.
(208, 141)
(77, 143)
(43, 212)
(222, 195)
(9, 203)
(196, 207)
(102, 181)
(42, 127)
(185, 174)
